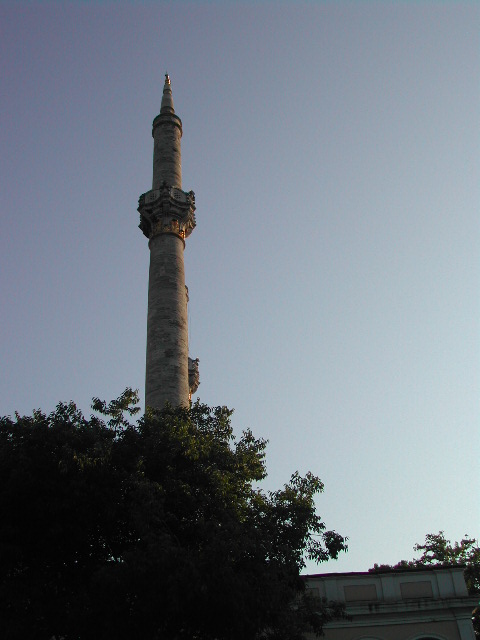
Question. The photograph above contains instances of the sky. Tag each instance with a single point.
(333, 275)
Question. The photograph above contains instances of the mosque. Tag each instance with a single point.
(413, 604)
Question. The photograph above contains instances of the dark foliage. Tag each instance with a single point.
(151, 531)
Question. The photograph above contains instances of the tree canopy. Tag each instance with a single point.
(437, 550)
(152, 530)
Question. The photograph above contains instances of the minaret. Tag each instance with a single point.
(167, 217)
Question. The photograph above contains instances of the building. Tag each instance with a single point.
(167, 218)
(405, 604)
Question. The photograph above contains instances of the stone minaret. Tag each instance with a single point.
(167, 217)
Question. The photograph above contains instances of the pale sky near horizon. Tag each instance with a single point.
(333, 148)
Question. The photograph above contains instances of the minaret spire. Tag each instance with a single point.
(167, 218)
(167, 98)
(167, 132)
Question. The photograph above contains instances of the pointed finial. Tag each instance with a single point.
(167, 98)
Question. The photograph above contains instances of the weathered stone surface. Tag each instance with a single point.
(167, 209)
(167, 155)
(167, 324)
(193, 373)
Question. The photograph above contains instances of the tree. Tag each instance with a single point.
(152, 531)
(437, 550)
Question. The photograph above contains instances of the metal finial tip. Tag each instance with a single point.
(167, 78)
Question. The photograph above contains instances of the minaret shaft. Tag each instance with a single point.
(167, 154)
(167, 325)
(167, 218)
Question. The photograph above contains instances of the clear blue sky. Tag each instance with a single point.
(334, 272)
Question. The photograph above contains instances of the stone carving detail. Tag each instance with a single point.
(167, 210)
(193, 375)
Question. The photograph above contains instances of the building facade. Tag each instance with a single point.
(416, 604)
(167, 218)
